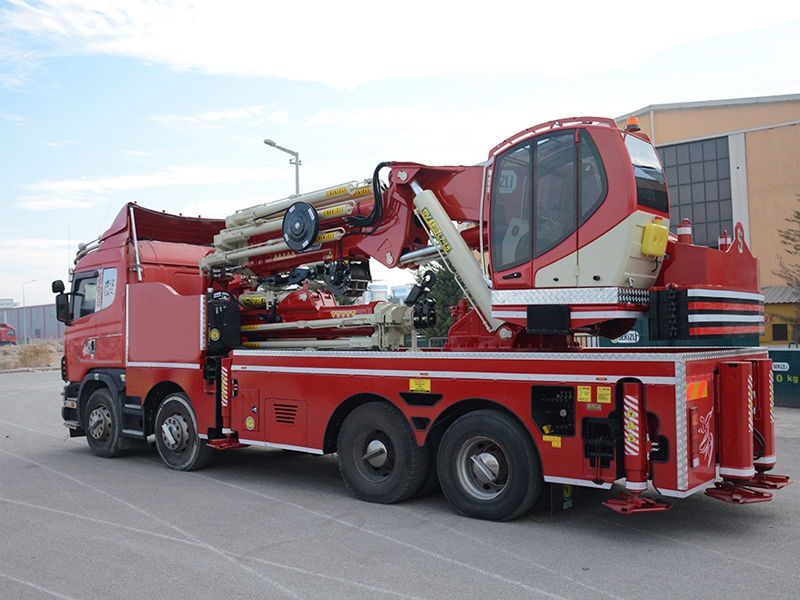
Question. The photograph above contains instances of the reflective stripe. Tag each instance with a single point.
(450, 374)
(635, 486)
(737, 472)
(164, 365)
(578, 482)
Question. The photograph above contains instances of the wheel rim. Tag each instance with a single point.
(100, 423)
(482, 468)
(175, 433)
(375, 459)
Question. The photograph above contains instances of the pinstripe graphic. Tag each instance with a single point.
(631, 424)
(771, 397)
(751, 396)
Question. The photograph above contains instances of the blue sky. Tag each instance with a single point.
(103, 102)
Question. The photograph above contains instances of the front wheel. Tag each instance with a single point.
(488, 467)
(176, 435)
(101, 424)
(379, 458)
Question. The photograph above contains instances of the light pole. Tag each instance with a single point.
(295, 161)
(24, 320)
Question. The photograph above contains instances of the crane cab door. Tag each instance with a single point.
(543, 190)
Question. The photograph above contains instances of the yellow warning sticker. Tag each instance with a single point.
(436, 231)
(584, 393)
(697, 390)
(326, 237)
(331, 212)
(604, 395)
(364, 191)
(555, 441)
(419, 385)
(336, 192)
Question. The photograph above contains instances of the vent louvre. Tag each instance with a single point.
(285, 413)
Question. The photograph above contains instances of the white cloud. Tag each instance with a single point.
(82, 193)
(348, 43)
(16, 119)
(38, 203)
(249, 115)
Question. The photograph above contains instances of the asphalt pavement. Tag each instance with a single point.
(272, 524)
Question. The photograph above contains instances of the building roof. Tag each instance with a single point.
(780, 294)
(712, 104)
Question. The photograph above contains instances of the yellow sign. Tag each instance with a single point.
(584, 393)
(604, 395)
(555, 441)
(436, 231)
(250, 423)
(419, 385)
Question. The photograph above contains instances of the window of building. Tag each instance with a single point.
(780, 332)
(699, 180)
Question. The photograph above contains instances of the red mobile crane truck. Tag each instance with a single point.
(211, 335)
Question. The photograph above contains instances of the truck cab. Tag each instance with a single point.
(136, 282)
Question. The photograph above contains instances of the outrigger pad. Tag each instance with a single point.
(636, 503)
(769, 482)
(737, 493)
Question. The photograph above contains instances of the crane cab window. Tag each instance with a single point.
(546, 187)
(651, 187)
(511, 208)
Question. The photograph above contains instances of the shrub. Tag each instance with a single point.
(34, 355)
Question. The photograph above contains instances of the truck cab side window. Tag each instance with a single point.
(85, 296)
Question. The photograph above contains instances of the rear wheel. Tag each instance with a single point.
(379, 458)
(101, 424)
(488, 467)
(176, 435)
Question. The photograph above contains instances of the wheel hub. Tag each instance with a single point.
(482, 468)
(485, 467)
(175, 432)
(376, 454)
(100, 423)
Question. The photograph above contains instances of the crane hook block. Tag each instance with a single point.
(300, 226)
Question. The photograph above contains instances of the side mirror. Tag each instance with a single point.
(62, 302)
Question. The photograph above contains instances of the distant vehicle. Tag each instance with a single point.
(7, 334)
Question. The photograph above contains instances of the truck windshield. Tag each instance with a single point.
(651, 188)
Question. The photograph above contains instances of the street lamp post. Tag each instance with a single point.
(292, 161)
(24, 320)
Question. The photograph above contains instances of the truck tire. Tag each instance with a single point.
(379, 458)
(101, 424)
(488, 467)
(177, 440)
